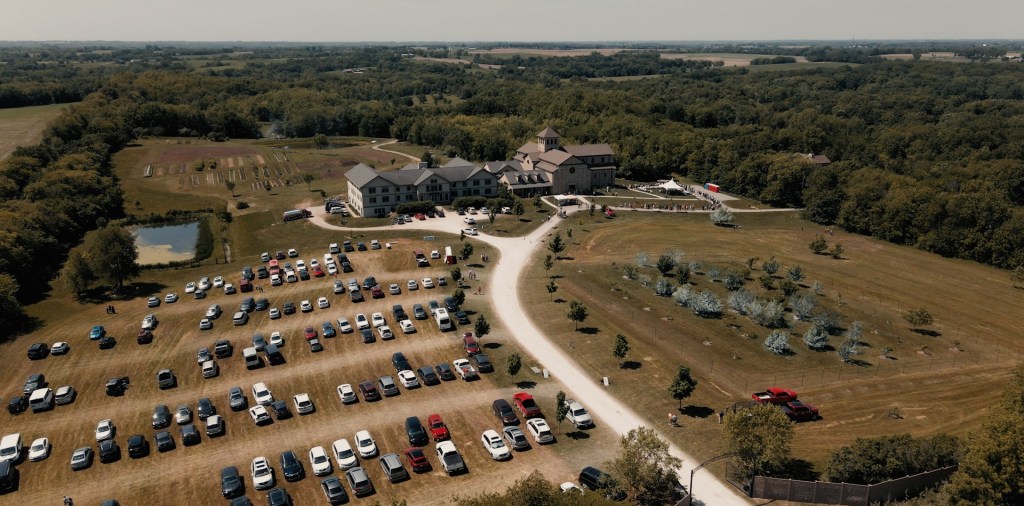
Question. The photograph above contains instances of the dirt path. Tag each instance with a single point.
(377, 147)
(503, 288)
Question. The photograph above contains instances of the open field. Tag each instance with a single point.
(939, 380)
(24, 125)
(522, 51)
(727, 59)
(946, 56)
(191, 472)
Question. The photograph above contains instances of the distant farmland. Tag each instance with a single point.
(24, 125)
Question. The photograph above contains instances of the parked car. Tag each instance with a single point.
(261, 394)
(291, 466)
(515, 438)
(39, 449)
(237, 399)
(437, 427)
(81, 458)
(161, 417)
(417, 459)
(540, 430)
(215, 426)
(415, 431)
(392, 467)
(60, 348)
(444, 371)
(344, 326)
(182, 414)
(347, 394)
(387, 386)
(280, 409)
(503, 411)
(592, 478)
(343, 454)
(494, 445)
(483, 364)
(365, 444)
(303, 404)
(38, 351)
(319, 461)
(448, 455)
(259, 415)
(205, 408)
(408, 379)
(164, 441)
(138, 446)
(64, 395)
(428, 376)
(334, 491)
(105, 430)
(166, 379)
(526, 405)
(262, 473)
(231, 485)
(358, 481)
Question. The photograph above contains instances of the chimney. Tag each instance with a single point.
(424, 165)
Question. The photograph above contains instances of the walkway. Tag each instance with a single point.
(378, 147)
(516, 253)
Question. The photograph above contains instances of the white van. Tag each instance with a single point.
(41, 399)
(443, 321)
(240, 318)
(210, 369)
(252, 358)
(11, 448)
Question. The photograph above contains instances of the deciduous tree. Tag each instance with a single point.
(683, 385)
(467, 250)
(556, 246)
(760, 437)
(665, 264)
(77, 275)
(551, 288)
(777, 342)
(482, 326)
(816, 338)
(112, 254)
(560, 408)
(663, 288)
(770, 266)
(796, 274)
(918, 318)
(620, 348)
(456, 275)
(548, 263)
(682, 273)
(819, 245)
(577, 313)
(513, 364)
(721, 216)
(645, 468)
(459, 296)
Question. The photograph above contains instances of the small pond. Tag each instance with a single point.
(160, 244)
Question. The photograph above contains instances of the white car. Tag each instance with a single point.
(259, 414)
(306, 306)
(171, 298)
(303, 404)
(412, 285)
(218, 281)
(570, 488)
(385, 332)
(300, 265)
(39, 450)
(377, 319)
(261, 394)
(435, 254)
(332, 269)
(262, 473)
(395, 289)
(344, 326)
(484, 210)
(364, 442)
(469, 221)
(470, 231)
(105, 430)
(265, 256)
(149, 322)
(320, 461)
(204, 283)
(333, 248)
(229, 289)
(540, 430)
(60, 348)
(464, 368)
(428, 283)
(343, 454)
(213, 311)
(182, 415)
(347, 394)
(495, 445)
(190, 287)
(361, 322)
(408, 379)
(276, 339)
(274, 313)
(407, 326)
(292, 253)
(323, 303)
(205, 324)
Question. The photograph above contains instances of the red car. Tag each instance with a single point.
(469, 343)
(527, 406)
(310, 333)
(318, 272)
(438, 430)
(377, 292)
(417, 459)
(421, 216)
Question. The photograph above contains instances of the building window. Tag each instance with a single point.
(385, 199)
(384, 190)
(373, 190)
(572, 170)
(373, 200)
(487, 191)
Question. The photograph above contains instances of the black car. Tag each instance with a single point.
(462, 317)
(445, 372)
(333, 490)
(189, 435)
(288, 308)
(368, 336)
(138, 447)
(503, 410)
(418, 312)
(328, 329)
(346, 266)
(262, 304)
(369, 391)
(34, 382)
(117, 386)
(161, 417)
(280, 409)
(399, 361)
(399, 312)
(107, 342)
(369, 282)
(247, 273)
(592, 478)
(315, 346)
(38, 351)
(304, 274)
(206, 408)
(17, 404)
(109, 451)
(291, 466)
(237, 399)
(450, 305)
(278, 497)
(356, 295)
(440, 213)
(428, 376)
(279, 255)
(144, 337)
(361, 246)
(483, 364)
(415, 432)
(262, 272)
(164, 441)
(231, 484)
(223, 349)
(240, 501)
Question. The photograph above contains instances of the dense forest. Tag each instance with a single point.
(925, 153)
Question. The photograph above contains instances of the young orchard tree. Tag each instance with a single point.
(682, 273)
(230, 186)
(733, 281)
(740, 300)
(848, 349)
(721, 217)
(683, 295)
(788, 287)
(918, 318)
(683, 385)
(514, 363)
(641, 259)
(796, 274)
(777, 342)
(837, 251)
(552, 288)
(803, 305)
(556, 246)
(819, 245)
(482, 326)
(663, 288)
(770, 266)
(561, 410)
(665, 264)
(629, 271)
(577, 313)
(816, 338)
(621, 348)
(548, 263)
(706, 303)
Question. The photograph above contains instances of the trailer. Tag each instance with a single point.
(449, 258)
(296, 214)
(711, 187)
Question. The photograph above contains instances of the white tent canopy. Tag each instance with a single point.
(672, 186)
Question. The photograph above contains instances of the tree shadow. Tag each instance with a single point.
(559, 301)
(577, 435)
(526, 384)
(566, 258)
(556, 276)
(492, 346)
(145, 289)
(927, 332)
(697, 411)
(798, 469)
(858, 362)
(525, 220)
(631, 365)
(475, 266)
(588, 330)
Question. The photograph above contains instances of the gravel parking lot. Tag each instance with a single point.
(191, 474)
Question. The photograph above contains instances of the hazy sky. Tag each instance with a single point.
(511, 20)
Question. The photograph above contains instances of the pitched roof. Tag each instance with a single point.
(503, 166)
(529, 147)
(548, 132)
(361, 174)
(457, 162)
(558, 157)
(528, 179)
(589, 150)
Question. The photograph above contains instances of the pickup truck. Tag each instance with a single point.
(775, 395)
(465, 369)
(527, 406)
(449, 457)
(577, 414)
(800, 412)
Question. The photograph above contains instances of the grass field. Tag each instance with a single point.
(936, 383)
(190, 473)
(24, 126)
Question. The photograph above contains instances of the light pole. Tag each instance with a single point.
(693, 471)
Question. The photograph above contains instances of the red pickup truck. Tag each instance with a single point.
(800, 412)
(775, 395)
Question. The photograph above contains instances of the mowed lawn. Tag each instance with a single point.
(191, 474)
(933, 383)
(23, 126)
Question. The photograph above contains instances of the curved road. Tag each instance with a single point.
(503, 289)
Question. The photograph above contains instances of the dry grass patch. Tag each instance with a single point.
(23, 126)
